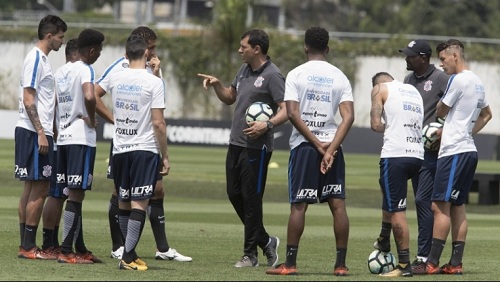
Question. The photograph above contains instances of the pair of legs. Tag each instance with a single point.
(51, 217)
(30, 210)
(296, 224)
(246, 173)
(454, 178)
(423, 184)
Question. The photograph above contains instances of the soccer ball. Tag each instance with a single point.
(258, 111)
(427, 131)
(380, 262)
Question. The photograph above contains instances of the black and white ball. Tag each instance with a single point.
(380, 262)
(428, 133)
(258, 111)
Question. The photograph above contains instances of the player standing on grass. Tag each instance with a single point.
(250, 146)
(34, 163)
(156, 210)
(315, 141)
(400, 106)
(431, 83)
(76, 141)
(52, 210)
(139, 144)
(466, 111)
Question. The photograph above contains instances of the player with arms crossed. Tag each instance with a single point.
(76, 141)
(466, 111)
(400, 106)
(315, 141)
(156, 211)
(139, 144)
(250, 146)
(34, 162)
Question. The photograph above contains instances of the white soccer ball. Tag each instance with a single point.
(427, 133)
(380, 262)
(258, 111)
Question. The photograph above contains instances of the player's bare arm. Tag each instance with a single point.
(101, 109)
(154, 63)
(160, 131)
(377, 108)
(484, 117)
(32, 112)
(293, 112)
(90, 104)
(226, 95)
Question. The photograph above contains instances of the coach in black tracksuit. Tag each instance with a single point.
(251, 145)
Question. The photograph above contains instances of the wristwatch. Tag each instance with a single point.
(270, 125)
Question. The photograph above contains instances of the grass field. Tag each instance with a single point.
(201, 223)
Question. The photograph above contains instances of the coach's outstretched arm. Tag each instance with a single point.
(227, 95)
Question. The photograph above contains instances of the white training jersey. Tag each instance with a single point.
(134, 92)
(319, 87)
(403, 115)
(37, 74)
(71, 104)
(118, 65)
(465, 95)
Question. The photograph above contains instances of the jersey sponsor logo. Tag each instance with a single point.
(315, 112)
(454, 194)
(64, 80)
(65, 116)
(412, 107)
(318, 98)
(258, 82)
(411, 139)
(320, 79)
(414, 124)
(21, 171)
(307, 193)
(126, 131)
(131, 87)
(141, 190)
(127, 121)
(65, 99)
(66, 125)
(331, 189)
(127, 106)
(313, 123)
(65, 137)
(428, 85)
(411, 151)
(402, 204)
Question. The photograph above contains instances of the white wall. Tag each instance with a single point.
(10, 72)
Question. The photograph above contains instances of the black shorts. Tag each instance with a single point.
(305, 180)
(75, 166)
(135, 175)
(30, 165)
(394, 175)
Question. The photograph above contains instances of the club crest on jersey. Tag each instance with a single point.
(125, 65)
(44, 59)
(428, 85)
(258, 81)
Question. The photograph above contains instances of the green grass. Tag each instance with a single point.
(201, 223)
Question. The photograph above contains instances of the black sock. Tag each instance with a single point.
(80, 243)
(117, 238)
(48, 234)
(22, 226)
(72, 218)
(55, 236)
(291, 255)
(437, 247)
(341, 254)
(385, 231)
(134, 231)
(123, 218)
(457, 252)
(404, 257)
(157, 220)
(29, 241)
